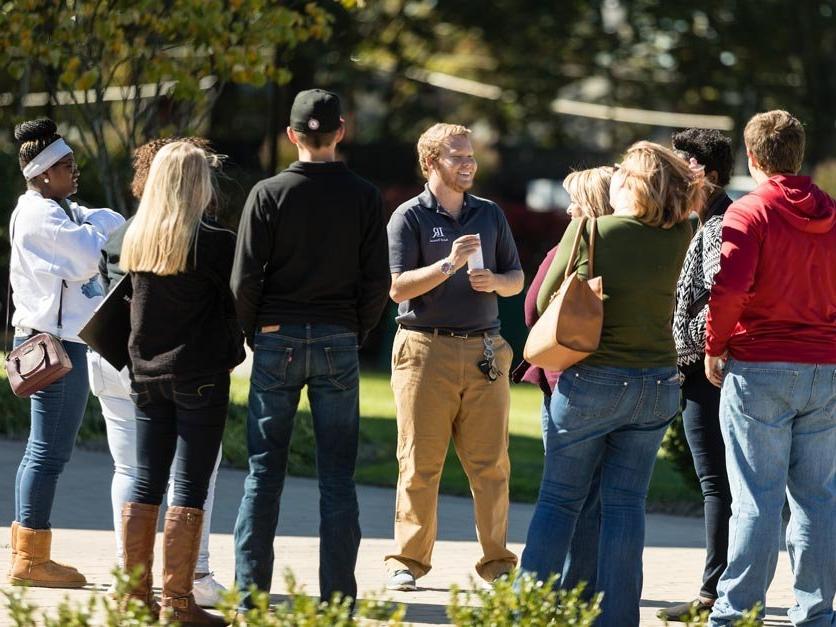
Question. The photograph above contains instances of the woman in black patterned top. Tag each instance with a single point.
(711, 149)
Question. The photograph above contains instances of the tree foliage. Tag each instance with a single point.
(713, 56)
(132, 69)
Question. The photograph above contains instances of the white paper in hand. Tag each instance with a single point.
(476, 261)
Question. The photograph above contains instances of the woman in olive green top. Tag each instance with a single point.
(609, 412)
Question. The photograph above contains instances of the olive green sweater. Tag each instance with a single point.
(639, 265)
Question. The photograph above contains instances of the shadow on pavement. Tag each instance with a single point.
(415, 612)
(83, 502)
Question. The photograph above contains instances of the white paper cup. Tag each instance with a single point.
(476, 261)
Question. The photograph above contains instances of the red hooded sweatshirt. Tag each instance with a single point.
(774, 297)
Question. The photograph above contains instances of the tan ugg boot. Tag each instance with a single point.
(14, 528)
(33, 567)
(181, 544)
(139, 528)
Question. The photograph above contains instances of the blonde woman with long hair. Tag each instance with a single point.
(184, 341)
(112, 387)
(609, 412)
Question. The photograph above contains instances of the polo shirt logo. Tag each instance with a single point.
(438, 235)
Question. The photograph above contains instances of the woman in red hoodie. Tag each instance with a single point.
(771, 345)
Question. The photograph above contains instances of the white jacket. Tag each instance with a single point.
(48, 247)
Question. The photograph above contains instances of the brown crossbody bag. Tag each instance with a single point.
(41, 359)
(570, 328)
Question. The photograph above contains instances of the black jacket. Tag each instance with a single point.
(312, 248)
(182, 325)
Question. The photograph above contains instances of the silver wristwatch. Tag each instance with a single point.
(448, 268)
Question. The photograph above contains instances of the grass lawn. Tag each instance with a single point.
(378, 439)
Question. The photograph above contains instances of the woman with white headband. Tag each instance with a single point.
(54, 278)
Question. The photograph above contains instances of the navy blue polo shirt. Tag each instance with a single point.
(421, 233)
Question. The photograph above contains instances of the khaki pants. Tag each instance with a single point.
(439, 393)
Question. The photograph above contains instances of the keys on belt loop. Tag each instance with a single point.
(487, 366)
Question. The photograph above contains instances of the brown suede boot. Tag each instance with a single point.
(181, 544)
(33, 567)
(15, 526)
(139, 528)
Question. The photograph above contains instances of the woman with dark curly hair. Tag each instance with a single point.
(55, 250)
(113, 391)
(701, 412)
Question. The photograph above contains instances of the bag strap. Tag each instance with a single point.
(7, 346)
(593, 235)
(570, 266)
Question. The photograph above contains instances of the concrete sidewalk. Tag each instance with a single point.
(83, 536)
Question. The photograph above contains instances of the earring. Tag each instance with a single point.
(46, 180)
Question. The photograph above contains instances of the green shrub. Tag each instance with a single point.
(120, 611)
(522, 600)
(305, 611)
(112, 611)
(700, 619)
(675, 449)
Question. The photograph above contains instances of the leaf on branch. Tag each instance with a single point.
(87, 79)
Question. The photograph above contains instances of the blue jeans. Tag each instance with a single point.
(581, 562)
(56, 414)
(323, 357)
(779, 424)
(609, 421)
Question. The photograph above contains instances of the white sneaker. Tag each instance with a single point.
(207, 592)
(401, 579)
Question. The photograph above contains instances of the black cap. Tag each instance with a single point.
(315, 111)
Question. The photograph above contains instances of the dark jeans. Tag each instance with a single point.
(182, 417)
(701, 418)
(323, 357)
(56, 413)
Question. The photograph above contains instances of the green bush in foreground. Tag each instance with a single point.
(111, 611)
(536, 604)
(524, 601)
(700, 619)
(305, 611)
(120, 611)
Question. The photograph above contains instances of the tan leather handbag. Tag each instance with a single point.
(570, 328)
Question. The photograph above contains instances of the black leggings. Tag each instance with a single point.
(182, 417)
(702, 429)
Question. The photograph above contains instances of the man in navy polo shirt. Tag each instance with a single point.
(449, 364)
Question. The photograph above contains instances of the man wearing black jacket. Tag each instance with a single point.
(310, 280)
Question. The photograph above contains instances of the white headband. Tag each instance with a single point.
(46, 158)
